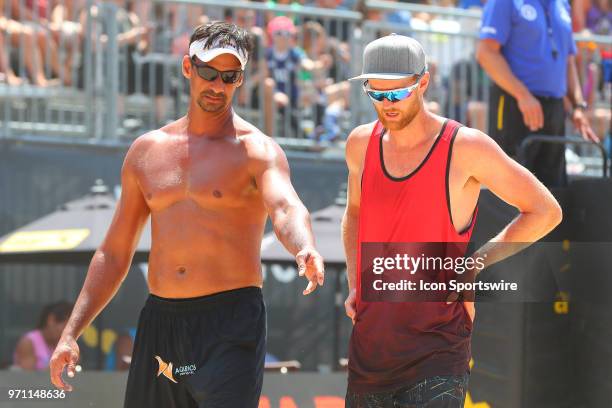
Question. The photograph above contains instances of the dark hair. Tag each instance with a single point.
(225, 33)
(60, 310)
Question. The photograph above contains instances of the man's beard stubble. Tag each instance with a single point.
(209, 107)
(405, 118)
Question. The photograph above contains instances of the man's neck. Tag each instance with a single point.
(415, 133)
(209, 124)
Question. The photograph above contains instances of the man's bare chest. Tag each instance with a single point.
(217, 176)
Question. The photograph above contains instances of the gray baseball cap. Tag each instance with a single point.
(393, 57)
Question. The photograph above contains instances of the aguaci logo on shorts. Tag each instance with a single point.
(167, 370)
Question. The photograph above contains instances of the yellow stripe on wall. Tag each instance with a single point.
(500, 113)
(47, 240)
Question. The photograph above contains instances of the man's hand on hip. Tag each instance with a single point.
(468, 276)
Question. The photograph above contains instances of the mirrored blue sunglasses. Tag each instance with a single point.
(392, 95)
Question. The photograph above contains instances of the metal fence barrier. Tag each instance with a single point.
(109, 71)
(55, 69)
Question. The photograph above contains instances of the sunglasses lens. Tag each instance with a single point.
(210, 74)
(398, 95)
(230, 77)
(207, 73)
(391, 96)
(379, 96)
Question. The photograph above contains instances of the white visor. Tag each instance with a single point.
(207, 54)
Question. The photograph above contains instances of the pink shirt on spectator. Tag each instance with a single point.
(42, 5)
(42, 351)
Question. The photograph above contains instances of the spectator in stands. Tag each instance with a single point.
(399, 17)
(594, 62)
(327, 98)
(370, 14)
(528, 50)
(20, 36)
(136, 39)
(471, 4)
(7, 74)
(592, 15)
(294, 4)
(51, 26)
(120, 355)
(313, 83)
(184, 19)
(249, 92)
(335, 28)
(283, 62)
(67, 33)
(34, 349)
(465, 96)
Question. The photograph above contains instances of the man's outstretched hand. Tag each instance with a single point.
(66, 354)
(310, 264)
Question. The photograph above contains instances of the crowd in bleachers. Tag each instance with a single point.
(298, 72)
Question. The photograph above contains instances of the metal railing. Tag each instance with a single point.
(61, 68)
(117, 67)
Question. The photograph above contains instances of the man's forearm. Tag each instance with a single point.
(496, 66)
(573, 82)
(103, 279)
(350, 225)
(524, 230)
(293, 229)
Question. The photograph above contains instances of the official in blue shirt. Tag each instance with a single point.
(528, 50)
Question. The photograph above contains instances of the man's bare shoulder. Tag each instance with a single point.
(260, 147)
(472, 141)
(357, 142)
(142, 144)
(473, 148)
(361, 134)
(137, 152)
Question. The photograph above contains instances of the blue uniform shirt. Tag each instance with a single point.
(520, 26)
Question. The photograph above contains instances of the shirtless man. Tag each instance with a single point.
(416, 177)
(209, 181)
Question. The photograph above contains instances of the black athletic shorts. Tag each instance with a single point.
(199, 352)
(506, 126)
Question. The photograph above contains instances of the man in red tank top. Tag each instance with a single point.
(415, 177)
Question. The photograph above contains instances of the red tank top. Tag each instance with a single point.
(396, 344)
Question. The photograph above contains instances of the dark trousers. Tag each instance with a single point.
(447, 391)
(507, 128)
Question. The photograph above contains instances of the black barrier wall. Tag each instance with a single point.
(556, 353)
(591, 285)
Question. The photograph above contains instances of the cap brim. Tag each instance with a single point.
(380, 76)
(210, 54)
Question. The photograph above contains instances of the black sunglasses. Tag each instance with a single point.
(208, 73)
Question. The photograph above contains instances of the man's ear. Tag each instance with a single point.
(187, 67)
(424, 83)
